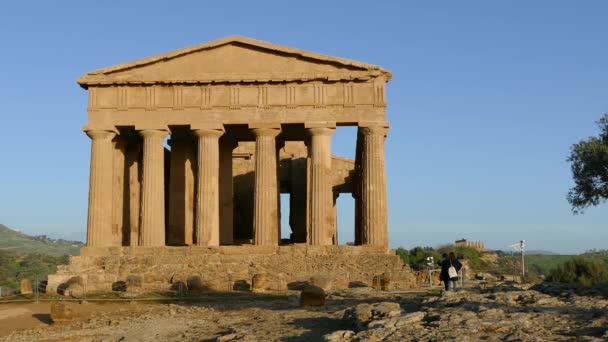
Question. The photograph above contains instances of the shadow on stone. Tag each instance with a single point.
(317, 327)
(179, 286)
(356, 284)
(241, 285)
(62, 288)
(297, 285)
(197, 284)
(44, 318)
(119, 286)
(42, 286)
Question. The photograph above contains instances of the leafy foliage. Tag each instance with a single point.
(581, 270)
(416, 257)
(14, 267)
(590, 170)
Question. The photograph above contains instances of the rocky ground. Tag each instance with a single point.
(495, 313)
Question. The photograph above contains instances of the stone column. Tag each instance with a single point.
(266, 206)
(374, 213)
(120, 188)
(99, 222)
(153, 189)
(320, 195)
(227, 145)
(334, 217)
(207, 197)
(181, 189)
(134, 162)
(356, 192)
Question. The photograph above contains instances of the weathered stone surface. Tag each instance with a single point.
(286, 266)
(312, 296)
(259, 283)
(339, 336)
(385, 283)
(25, 286)
(360, 316)
(196, 283)
(134, 283)
(494, 313)
(62, 312)
(323, 281)
(485, 276)
(75, 291)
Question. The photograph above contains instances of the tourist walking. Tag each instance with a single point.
(450, 266)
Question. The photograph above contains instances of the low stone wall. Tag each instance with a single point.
(230, 268)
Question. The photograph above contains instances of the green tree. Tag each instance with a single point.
(580, 270)
(589, 160)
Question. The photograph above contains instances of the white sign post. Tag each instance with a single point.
(520, 247)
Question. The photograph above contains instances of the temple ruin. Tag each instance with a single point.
(245, 120)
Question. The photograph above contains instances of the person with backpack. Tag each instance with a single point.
(450, 266)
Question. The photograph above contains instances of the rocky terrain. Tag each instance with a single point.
(495, 313)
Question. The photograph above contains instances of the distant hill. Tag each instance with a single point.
(17, 242)
(540, 252)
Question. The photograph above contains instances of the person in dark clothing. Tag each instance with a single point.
(447, 262)
(443, 275)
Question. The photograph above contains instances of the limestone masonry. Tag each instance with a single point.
(246, 120)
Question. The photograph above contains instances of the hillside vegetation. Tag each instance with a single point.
(32, 257)
(14, 241)
(588, 268)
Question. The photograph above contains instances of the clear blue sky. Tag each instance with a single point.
(485, 101)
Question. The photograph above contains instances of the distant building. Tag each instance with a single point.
(477, 245)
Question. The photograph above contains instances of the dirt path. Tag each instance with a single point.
(19, 316)
(251, 319)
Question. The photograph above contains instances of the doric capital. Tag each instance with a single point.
(265, 132)
(100, 134)
(374, 130)
(153, 133)
(206, 132)
(326, 131)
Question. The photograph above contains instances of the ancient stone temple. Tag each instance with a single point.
(190, 151)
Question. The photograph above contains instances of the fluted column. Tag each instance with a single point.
(207, 195)
(153, 189)
(266, 206)
(181, 188)
(227, 145)
(321, 230)
(99, 222)
(357, 188)
(374, 213)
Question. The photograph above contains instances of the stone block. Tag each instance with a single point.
(134, 282)
(323, 281)
(195, 283)
(339, 336)
(75, 291)
(26, 286)
(62, 312)
(312, 296)
(385, 283)
(259, 283)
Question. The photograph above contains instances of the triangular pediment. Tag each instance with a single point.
(233, 59)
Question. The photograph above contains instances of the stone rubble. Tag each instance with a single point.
(498, 313)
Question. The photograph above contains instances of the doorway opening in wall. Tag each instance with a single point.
(345, 208)
(285, 227)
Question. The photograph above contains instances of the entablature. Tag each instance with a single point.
(203, 97)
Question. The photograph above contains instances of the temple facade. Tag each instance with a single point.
(190, 151)
(245, 120)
